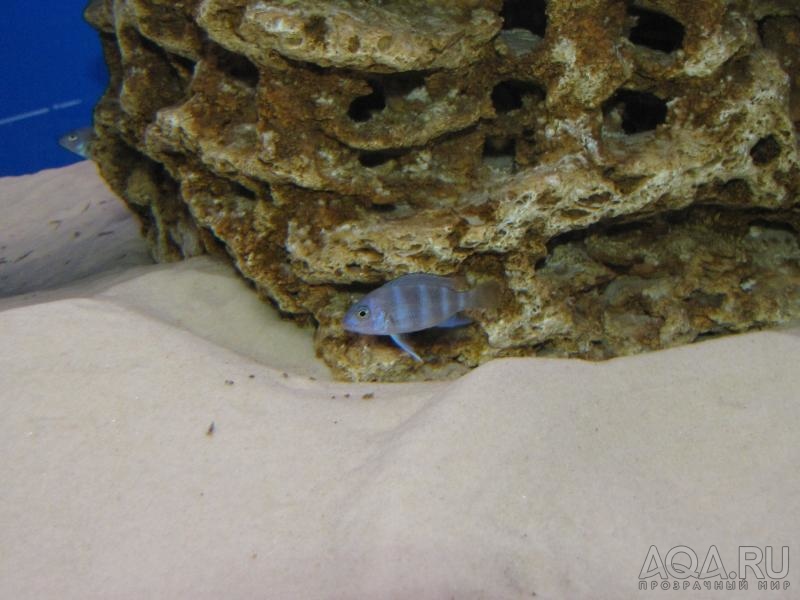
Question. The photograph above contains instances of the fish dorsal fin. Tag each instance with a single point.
(457, 320)
(457, 283)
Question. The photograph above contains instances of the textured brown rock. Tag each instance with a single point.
(629, 172)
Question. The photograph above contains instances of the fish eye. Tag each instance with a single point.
(72, 137)
(362, 312)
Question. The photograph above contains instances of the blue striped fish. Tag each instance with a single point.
(415, 302)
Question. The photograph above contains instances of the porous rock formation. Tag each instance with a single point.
(628, 171)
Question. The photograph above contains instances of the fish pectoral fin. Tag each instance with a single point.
(457, 320)
(398, 339)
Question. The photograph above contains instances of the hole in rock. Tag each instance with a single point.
(499, 151)
(507, 95)
(364, 108)
(765, 150)
(639, 111)
(402, 84)
(525, 14)
(377, 158)
(655, 30)
(499, 146)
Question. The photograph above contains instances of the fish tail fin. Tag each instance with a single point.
(485, 296)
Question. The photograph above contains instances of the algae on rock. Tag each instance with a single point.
(629, 171)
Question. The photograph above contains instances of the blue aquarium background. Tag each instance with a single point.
(51, 75)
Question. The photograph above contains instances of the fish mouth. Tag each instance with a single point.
(355, 326)
(349, 325)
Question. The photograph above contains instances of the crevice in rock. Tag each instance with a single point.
(355, 288)
(712, 333)
(626, 228)
(372, 159)
(382, 208)
(773, 225)
(242, 191)
(235, 65)
(655, 30)
(182, 62)
(568, 237)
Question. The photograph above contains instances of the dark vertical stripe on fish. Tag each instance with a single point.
(398, 308)
(446, 300)
(466, 299)
(426, 307)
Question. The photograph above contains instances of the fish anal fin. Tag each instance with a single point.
(398, 339)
